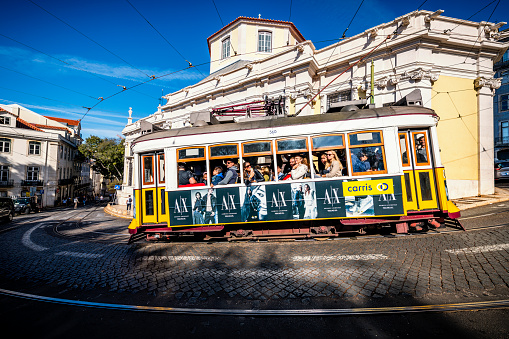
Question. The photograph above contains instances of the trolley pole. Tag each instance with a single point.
(372, 94)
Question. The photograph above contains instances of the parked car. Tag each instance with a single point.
(22, 205)
(6, 209)
(502, 170)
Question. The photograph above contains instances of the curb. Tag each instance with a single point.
(463, 206)
(114, 212)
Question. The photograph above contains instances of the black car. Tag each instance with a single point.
(22, 205)
(6, 209)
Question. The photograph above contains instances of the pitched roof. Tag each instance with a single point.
(25, 124)
(67, 121)
(299, 34)
(51, 127)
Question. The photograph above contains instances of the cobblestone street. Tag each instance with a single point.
(258, 273)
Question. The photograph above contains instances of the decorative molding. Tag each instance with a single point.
(416, 75)
(492, 83)
(373, 33)
(249, 66)
(405, 21)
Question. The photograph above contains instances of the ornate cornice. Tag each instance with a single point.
(417, 74)
(492, 83)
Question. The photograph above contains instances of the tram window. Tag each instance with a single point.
(224, 156)
(421, 148)
(367, 153)
(191, 165)
(160, 158)
(292, 154)
(408, 188)
(258, 155)
(149, 202)
(329, 156)
(403, 147)
(148, 169)
(425, 184)
(163, 202)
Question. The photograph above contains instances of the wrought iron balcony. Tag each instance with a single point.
(7, 183)
(31, 182)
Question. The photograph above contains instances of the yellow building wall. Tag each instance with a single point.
(451, 98)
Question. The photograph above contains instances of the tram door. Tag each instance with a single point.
(419, 180)
(153, 185)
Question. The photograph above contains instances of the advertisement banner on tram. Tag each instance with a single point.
(287, 201)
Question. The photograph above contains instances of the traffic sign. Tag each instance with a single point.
(118, 187)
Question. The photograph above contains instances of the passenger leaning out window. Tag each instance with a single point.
(231, 173)
(184, 175)
(360, 162)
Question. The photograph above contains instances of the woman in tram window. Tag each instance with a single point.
(325, 164)
(334, 167)
(300, 169)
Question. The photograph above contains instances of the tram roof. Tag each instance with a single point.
(289, 121)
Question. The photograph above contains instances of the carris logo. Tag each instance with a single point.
(382, 186)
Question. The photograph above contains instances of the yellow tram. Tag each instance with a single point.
(385, 162)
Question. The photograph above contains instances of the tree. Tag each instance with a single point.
(107, 155)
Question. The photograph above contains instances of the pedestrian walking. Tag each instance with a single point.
(75, 202)
(129, 202)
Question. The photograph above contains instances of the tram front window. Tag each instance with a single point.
(148, 169)
(421, 153)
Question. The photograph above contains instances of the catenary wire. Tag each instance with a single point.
(161, 35)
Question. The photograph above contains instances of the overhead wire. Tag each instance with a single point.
(89, 38)
(219, 15)
(161, 35)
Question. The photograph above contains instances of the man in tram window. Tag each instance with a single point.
(231, 173)
(360, 162)
(289, 165)
(420, 145)
(209, 206)
(184, 175)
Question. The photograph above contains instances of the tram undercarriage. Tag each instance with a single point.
(311, 229)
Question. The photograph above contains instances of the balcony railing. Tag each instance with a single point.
(31, 182)
(7, 183)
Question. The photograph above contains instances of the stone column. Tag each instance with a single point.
(485, 88)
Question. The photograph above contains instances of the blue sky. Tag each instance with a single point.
(54, 69)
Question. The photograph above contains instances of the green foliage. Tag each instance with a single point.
(107, 155)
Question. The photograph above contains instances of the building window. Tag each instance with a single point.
(265, 42)
(504, 102)
(32, 173)
(225, 48)
(5, 145)
(5, 121)
(338, 97)
(504, 132)
(34, 147)
(4, 173)
(61, 151)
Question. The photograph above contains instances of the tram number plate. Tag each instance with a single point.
(273, 132)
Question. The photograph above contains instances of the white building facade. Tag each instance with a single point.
(449, 60)
(37, 156)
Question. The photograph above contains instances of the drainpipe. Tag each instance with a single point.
(372, 94)
(45, 194)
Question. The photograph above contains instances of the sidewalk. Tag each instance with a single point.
(119, 211)
(500, 195)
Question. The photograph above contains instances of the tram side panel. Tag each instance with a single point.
(291, 201)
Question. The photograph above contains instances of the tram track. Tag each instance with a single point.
(390, 310)
(78, 224)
